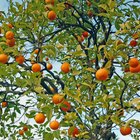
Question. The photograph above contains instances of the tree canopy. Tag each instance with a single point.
(70, 69)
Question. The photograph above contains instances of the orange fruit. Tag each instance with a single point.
(57, 98)
(10, 25)
(133, 62)
(85, 34)
(125, 130)
(54, 125)
(25, 128)
(102, 74)
(36, 67)
(47, 59)
(36, 51)
(66, 106)
(10, 42)
(49, 2)
(49, 66)
(65, 67)
(3, 58)
(135, 69)
(51, 15)
(73, 131)
(9, 35)
(133, 43)
(40, 118)
(4, 104)
(20, 59)
(21, 132)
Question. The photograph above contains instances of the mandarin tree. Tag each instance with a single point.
(90, 44)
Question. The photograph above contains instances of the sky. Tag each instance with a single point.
(3, 6)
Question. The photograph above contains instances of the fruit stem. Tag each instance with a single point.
(130, 121)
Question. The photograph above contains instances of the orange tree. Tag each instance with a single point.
(95, 87)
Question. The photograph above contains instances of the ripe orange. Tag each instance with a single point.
(9, 35)
(125, 130)
(65, 67)
(40, 118)
(49, 66)
(36, 67)
(47, 59)
(20, 59)
(36, 51)
(133, 62)
(51, 15)
(135, 70)
(66, 106)
(133, 43)
(4, 104)
(49, 2)
(102, 74)
(10, 42)
(54, 125)
(57, 98)
(73, 131)
(85, 34)
(10, 25)
(21, 132)
(25, 128)
(3, 58)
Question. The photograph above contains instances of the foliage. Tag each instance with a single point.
(97, 107)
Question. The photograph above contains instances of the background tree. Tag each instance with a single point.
(95, 87)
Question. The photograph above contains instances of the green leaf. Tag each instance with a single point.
(48, 136)
(91, 70)
(108, 64)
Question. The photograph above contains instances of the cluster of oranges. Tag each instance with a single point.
(51, 14)
(134, 65)
(21, 131)
(65, 105)
(10, 41)
(133, 43)
(54, 125)
(81, 38)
